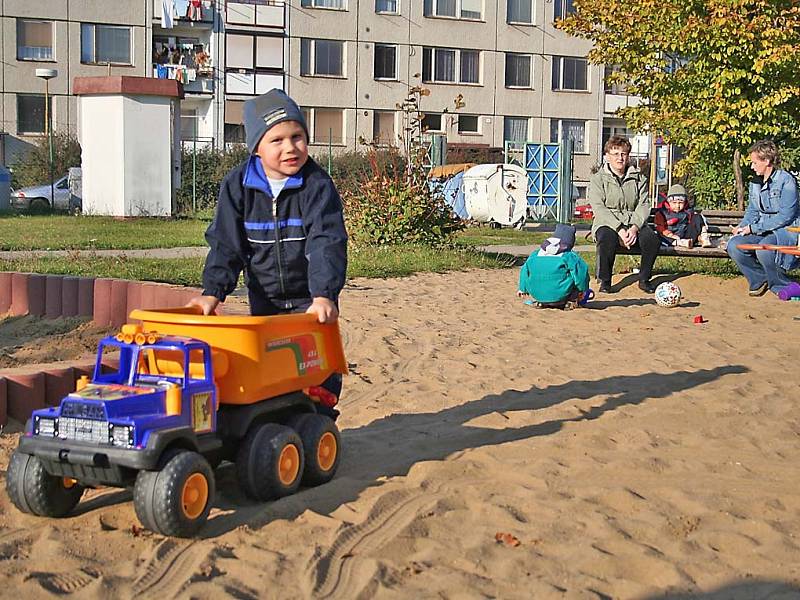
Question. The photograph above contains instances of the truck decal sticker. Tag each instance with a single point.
(109, 391)
(201, 412)
(304, 347)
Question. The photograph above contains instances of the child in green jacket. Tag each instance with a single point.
(554, 275)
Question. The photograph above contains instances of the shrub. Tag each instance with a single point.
(204, 170)
(34, 168)
(394, 208)
(713, 185)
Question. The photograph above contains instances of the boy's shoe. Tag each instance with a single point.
(570, 305)
(684, 243)
(759, 291)
(647, 287)
(704, 240)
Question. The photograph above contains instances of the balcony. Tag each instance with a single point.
(194, 80)
(613, 102)
(187, 13)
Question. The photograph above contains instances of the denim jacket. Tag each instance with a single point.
(773, 204)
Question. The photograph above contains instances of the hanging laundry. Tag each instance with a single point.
(167, 13)
(195, 10)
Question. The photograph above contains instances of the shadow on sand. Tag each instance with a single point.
(391, 445)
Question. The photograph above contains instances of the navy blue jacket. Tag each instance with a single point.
(290, 250)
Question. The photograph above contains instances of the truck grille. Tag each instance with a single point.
(83, 430)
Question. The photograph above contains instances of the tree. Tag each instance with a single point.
(714, 75)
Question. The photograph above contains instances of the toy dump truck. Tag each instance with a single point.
(190, 391)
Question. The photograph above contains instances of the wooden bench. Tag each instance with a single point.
(719, 229)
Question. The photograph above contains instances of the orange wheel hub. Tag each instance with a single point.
(289, 464)
(194, 496)
(326, 451)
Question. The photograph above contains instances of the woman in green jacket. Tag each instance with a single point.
(620, 202)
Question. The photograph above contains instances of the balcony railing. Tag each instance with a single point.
(187, 11)
(198, 81)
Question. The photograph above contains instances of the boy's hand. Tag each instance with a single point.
(207, 303)
(325, 310)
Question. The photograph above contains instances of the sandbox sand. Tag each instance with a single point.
(620, 451)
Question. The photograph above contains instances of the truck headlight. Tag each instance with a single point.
(120, 435)
(45, 426)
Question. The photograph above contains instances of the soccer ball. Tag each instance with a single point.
(668, 294)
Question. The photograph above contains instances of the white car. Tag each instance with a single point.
(37, 197)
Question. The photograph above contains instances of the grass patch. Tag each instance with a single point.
(65, 232)
(392, 261)
(485, 236)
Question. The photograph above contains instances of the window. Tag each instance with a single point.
(383, 127)
(443, 64)
(326, 125)
(387, 6)
(562, 9)
(515, 129)
(518, 70)
(105, 44)
(337, 4)
(468, 123)
(234, 130)
(30, 114)
(189, 124)
(565, 129)
(570, 73)
(520, 11)
(457, 9)
(321, 57)
(253, 52)
(431, 122)
(34, 40)
(385, 61)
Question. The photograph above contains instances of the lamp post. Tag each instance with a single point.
(47, 75)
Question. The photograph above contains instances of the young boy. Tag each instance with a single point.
(278, 219)
(554, 275)
(679, 225)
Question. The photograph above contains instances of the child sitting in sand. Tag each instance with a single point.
(677, 224)
(554, 275)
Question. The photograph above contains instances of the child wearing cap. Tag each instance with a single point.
(279, 219)
(678, 224)
(554, 275)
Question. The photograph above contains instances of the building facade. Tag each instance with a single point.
(348, 63)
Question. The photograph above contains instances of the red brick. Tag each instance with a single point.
(119, 302)
(52, 296)
(5, 292)
(85, 296)
(26, 393)
(57, 384)
(134, 296)
(102, 301)
(69, 296)
(36, 291)
(19, 294)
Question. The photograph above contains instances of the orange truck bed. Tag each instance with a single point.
(264, 357)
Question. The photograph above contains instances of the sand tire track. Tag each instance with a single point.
(170, 569)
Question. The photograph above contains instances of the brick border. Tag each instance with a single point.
(107, 301)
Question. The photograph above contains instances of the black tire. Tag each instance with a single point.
(176, 500)
(33, 490)
(39, 205)
(322, 447)
(269, 464)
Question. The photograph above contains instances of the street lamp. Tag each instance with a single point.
(47, 75)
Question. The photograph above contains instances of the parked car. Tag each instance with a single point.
(583, 212)
(37, 197)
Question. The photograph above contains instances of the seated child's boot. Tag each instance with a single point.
(683, 243)
(704, 239)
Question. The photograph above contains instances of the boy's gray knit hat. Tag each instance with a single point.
(266, 111)
(677, 190)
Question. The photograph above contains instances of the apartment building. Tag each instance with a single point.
(348, 63)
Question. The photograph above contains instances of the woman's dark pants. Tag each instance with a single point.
(647, 243)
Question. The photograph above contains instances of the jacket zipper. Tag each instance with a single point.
(278, 246)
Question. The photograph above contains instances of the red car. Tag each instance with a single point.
(583, 212)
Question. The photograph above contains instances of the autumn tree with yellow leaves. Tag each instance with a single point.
(715, 75)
